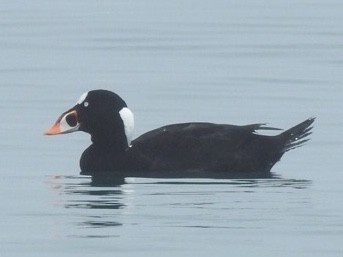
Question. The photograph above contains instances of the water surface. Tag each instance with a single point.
(219, 61)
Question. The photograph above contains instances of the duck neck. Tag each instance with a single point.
(116, 144)
(111, 139)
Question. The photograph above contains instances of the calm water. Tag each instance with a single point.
(233, 62)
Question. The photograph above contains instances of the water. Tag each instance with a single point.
(220, 61)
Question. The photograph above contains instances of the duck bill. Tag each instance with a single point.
(66, 123)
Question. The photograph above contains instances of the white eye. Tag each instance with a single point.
(85, 104)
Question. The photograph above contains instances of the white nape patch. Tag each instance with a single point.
(129, 123)
(82, 98)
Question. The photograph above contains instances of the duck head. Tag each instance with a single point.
(101, 113)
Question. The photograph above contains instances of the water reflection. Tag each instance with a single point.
(97, 212)
(99, 206)
(250, 180)
(250, 183)
(98, 224)
(87, 196)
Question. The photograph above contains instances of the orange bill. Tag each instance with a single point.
(66, 123)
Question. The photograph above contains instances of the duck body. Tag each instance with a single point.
(186, 150)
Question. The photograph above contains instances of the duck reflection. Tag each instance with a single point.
(248, 183)
(80, 193)
(94, 199)
(87, 196)
(97, 210)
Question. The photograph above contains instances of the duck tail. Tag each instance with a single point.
(297, 135)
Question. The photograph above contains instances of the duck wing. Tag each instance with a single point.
(200, 147)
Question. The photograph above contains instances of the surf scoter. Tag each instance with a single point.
(189, 150)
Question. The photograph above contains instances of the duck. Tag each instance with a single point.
(184, 150)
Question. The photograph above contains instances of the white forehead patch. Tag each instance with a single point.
(129, 123)
(82, 98)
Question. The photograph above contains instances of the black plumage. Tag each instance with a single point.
(193, 150)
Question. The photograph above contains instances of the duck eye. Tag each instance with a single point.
(71, 120)
(85, 104)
